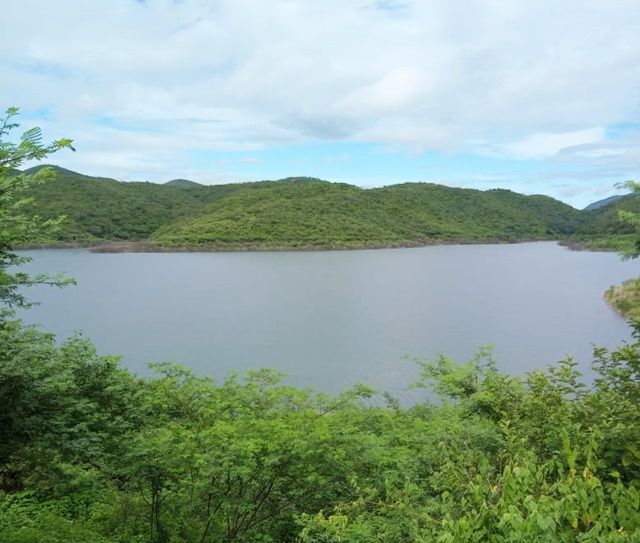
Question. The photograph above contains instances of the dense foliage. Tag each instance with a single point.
(104, 209)
(16, 226)
(625, 298)
(603, 229)
(330, 214)
(90, 452)
(295, 212)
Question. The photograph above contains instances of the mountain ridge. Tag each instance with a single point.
(297, 212)
(182, 183)
(604, 202)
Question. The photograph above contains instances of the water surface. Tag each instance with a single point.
(330, 319)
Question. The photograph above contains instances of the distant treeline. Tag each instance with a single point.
(306, 212)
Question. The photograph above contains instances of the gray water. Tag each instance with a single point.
(331, 319)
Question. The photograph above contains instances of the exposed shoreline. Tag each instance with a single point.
(624, 298)
(150, 247)
(581, 245)
(577, 245)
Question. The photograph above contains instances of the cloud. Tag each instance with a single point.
(321, 127)
(396, 91)
(544, 145)
(519, 79)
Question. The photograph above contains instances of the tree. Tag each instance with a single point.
(15, 227)
(631, 218)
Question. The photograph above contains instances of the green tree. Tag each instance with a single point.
(632, 219)
(15, 227)
(625, 298)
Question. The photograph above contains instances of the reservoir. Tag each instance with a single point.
(332, 319)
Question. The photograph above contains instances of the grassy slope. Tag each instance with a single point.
(296, 212)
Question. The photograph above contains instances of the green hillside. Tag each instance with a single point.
(104, 209)
(182, 183)
(604, 202)
(294, 212)
(330, 214)
(602, 229)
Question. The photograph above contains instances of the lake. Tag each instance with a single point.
(331, 319)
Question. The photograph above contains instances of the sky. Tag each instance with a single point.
(534, 96)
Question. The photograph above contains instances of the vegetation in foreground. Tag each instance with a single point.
(90, 452)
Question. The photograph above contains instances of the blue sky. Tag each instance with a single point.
(539, 97)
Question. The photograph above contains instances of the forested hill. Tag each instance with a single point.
(319, 213)
(296, 212)
(183, 183)
(601, 228)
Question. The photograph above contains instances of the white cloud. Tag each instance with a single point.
(527, 79)
(544, 145)
(398, 90)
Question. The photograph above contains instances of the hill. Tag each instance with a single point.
(295, 212)
(57, 169)
(604, 202)
(321, 214)
(601, 228)
(100, 209)
(182, 183)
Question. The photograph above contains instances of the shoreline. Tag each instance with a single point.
(580, 245)
(150, 247)
(624, 298)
